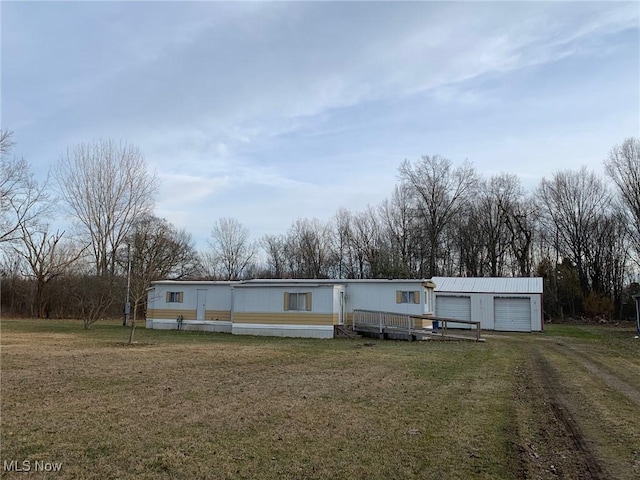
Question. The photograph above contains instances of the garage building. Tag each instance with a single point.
(503, 304)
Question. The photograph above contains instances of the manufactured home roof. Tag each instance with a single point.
(488, 285)
(193, 282)
(286, 282)
(289, 281)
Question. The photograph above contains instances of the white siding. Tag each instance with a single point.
(365, 294)
(151, 301)
(382, 297)
(218, 296)
(270, 299)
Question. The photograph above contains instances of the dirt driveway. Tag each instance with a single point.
(578, 409)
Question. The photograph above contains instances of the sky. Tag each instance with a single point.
(272, 111)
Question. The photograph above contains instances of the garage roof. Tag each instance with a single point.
(488, 285)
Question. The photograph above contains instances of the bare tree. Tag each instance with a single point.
(106, 187)
(623, 167)
(274, 248)
(608, 264)
(16, 291)
(368, 245)
(470, 240)
(231, 249)
(92, 296)
(520, 216)
(398, 221)
(494, 197)
(22, 200)
(47, 258)
(505, 226)
(157, 250)
(341, 237)
(575, 204)
(308, 249)
(6, 142)
(440, 192)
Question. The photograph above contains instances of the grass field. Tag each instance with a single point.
(563, 404)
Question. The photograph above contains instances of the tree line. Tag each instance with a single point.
(578, 230)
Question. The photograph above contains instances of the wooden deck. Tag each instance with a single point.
(400, 326)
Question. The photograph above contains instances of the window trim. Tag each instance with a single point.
(287, 302)
(408, 296)
(174, 297)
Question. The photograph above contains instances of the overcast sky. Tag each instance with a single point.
(267, 112)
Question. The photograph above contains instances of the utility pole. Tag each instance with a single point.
(127, 304)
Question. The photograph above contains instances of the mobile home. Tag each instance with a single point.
(301, 308)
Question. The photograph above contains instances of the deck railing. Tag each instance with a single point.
(382, 320)
(443, 324)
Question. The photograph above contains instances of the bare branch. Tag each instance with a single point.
(22, 201)
(106, 186)
(231, 250)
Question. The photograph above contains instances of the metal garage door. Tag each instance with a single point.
(454, 307)
(512, 314)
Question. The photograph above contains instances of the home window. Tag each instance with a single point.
(403, 296)
(175, 297)
(297, 301)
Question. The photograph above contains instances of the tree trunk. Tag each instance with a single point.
(133, 322)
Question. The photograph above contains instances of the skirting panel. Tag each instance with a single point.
(303, 331)
(196, 325)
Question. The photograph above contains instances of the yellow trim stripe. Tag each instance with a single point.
(221, 315)
(298, 318)
(282, 318)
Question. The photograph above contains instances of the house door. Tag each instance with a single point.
(341, 314)
(201, 304)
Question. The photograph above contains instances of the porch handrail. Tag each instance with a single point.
(382, 320)
(445, 321)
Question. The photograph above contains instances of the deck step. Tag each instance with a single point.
(341, 331)
(417, 334)
(431, 335)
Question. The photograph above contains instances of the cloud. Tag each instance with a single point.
(184, 189)
(272, 110)
(234, 66)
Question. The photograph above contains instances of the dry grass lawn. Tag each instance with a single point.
(195, 405)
